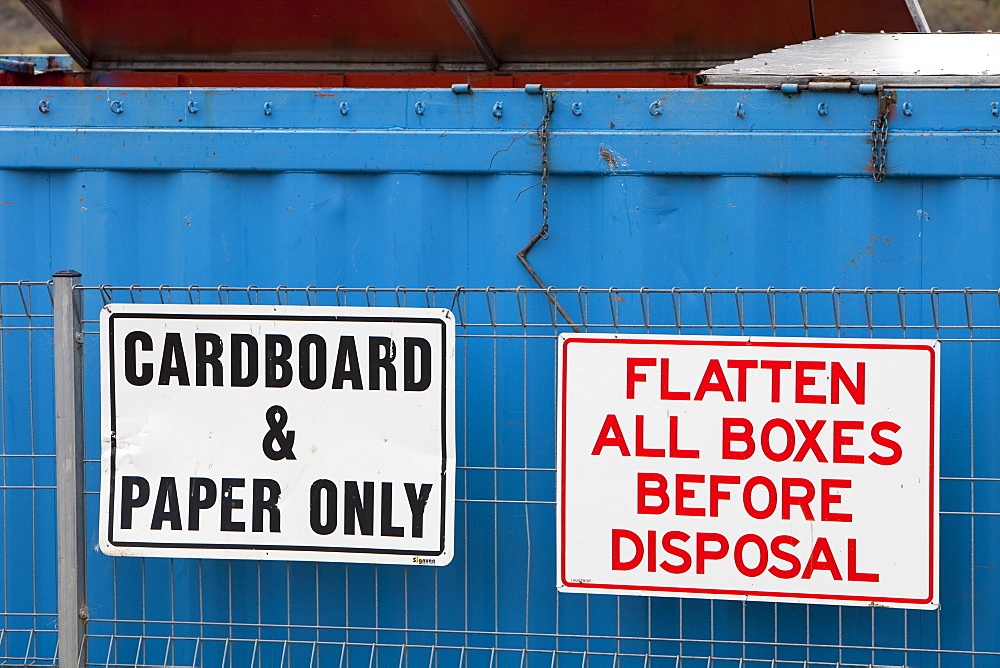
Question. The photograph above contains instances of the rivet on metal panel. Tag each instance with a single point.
(418, 108)
(498, 110)
(344, 108)
(995, 108)
(43, 106)
(822, 109)
(907, 108)
(655, 108)
(192, 107)
(268, 109)
(577, 108)
(461, 89)
(533, 89)
(741, 111)
(117, 106)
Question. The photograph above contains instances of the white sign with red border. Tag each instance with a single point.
(778, 469)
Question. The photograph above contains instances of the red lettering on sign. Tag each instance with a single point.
(675, 450)
(762, 552)
(794, 565)
(809, 442)
(651, 485)
(665, 393)
(802, 381)
(632, 376)
(682, 492)
(716, 493)
(611, 436)
(703, 554)
(776, 367)
(669, 548)
(765, 440)
(719, 384)
(731, 435)
(617, 535)
(840, 439)
(788, 499)
(895, 450)
(741, 380)
(828, 497)
(641, 451)
(852, 564)
(856, 388)
(821, 559)
(772, 498)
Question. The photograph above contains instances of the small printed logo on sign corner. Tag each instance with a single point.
(581, 580)
(422, 560)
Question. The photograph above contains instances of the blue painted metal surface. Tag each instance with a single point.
(307, 195)
(425, 187)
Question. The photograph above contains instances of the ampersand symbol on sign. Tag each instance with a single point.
(277, 443)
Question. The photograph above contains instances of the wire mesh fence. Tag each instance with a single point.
(27, 478)
(497, 604)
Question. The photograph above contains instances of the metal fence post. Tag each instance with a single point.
(72, 563)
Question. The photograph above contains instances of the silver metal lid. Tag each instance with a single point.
(911, 60)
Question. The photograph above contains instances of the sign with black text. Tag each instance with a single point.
(278, 432)
(779, 469)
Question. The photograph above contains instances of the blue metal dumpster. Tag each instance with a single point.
(425, 197)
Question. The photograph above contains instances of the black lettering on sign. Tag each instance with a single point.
(277, 352)
(135, 494)
(230, 503)
(265, 497)
(308, 343)
(387, 528)
(347, 366)
(197, 502)
(207, 352)
(381, 353)
(411, 382)
(132, 375)
(241, 342)
(173, 364)
(363, 510)
(418, 503)
(166, 508)
(317, 506)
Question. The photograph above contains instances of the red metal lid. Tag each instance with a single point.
(449, 35)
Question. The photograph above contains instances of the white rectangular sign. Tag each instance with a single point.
(774, 469)
(278, 432)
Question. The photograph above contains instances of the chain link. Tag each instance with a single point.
(543, 139)
(880, 137)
